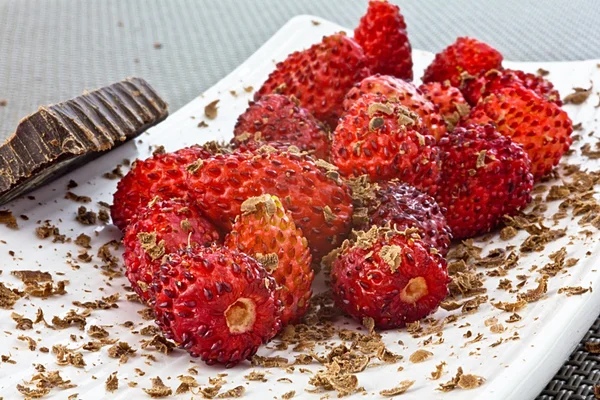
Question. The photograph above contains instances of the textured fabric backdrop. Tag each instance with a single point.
(50, 50)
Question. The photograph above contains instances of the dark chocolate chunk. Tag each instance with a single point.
(58, 138)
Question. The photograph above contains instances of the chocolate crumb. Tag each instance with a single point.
(121, 349)
(187, 384)
(508, 232)
(161, 344)
(116, 173)
(439, 370)
(256, 376)
(573, 290)
(85, 217)
(158, 389)
(578, 96)
(6, 218)
(592, 347)
(420, 356)
(97, 332)
(236, 392)
(537, 293)
(31, 343)
(76, 198)
(398, 390)
(288, 395)
(84, 241)
(112, 382)
(211, 109)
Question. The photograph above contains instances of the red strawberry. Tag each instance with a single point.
(164, 227)
(542, 128)
(407, 95)
(465, 56)
(320, 76)
(401, 206)
(266, 231)
(493, 80)
(161, 175)
(320, 203)
(382, 34)
(385, 140)
(216, 303)
(388, 276)
(449, 100)
(277, 118)
(485, 175)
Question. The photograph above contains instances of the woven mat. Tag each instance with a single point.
(51, 50)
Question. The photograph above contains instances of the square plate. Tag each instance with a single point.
(516, 369)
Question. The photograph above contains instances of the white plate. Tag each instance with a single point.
(549, 331)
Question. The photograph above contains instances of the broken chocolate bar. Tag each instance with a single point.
(58, 138)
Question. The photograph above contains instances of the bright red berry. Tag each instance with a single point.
(401, 206)
(267, 232)
(216, 303)
(407, 95)
(382, 35)
(493, 80)
(320, 76)
(161, 175)
(163, 227)
(277, 118)
(541, 127)
(320, 203)
(388, 276)
(465, 57)
(449, 100)
(383, 139)
(486, 176)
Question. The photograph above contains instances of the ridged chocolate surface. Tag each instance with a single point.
(68, 134)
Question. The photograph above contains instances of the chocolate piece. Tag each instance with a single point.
(58, 138)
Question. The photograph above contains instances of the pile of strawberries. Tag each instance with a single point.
(340, 160)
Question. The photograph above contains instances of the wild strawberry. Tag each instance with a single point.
(493, 80)
(388, 276)
(449, 100)
(382, 34)
(163, 227)
(320, 76)
(485, 175)
(266, 231)
(277, 118)
(401, 206)
(542, 128)
(161, 175)
(407, 95)
(383, 139)
(466, 56)
(320, 203)
(216, 303)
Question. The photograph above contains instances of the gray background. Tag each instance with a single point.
(51, 50)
